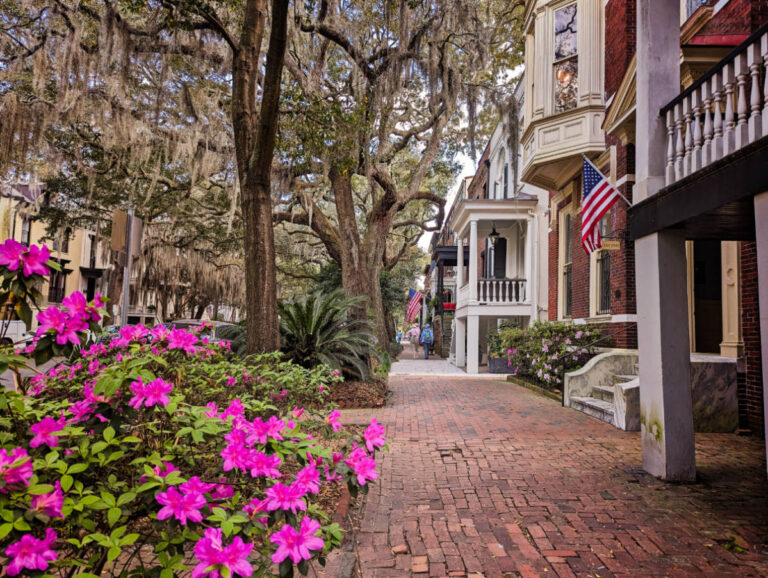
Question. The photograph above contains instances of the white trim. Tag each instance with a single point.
(720, 5)
(630, 178)
(627, 318)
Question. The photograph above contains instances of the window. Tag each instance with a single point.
(57, 285)
(506, 180)
(25, 226)
(61, 242)
(565, 236)
(566, 59)
(691, 6)
(604, 283)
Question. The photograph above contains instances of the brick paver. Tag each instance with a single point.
(488, 479)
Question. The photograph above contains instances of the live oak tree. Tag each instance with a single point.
(373, 102)
(195, 79)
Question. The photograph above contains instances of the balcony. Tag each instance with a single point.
(716, 151)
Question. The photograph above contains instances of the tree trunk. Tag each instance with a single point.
(114, 290)
(254, 146)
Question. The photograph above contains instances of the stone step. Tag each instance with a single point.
(599, 408)
(603, 392)
(623, 378)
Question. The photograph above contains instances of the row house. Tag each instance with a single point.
(494, 247)
(664, 98)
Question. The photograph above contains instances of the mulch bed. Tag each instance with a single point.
(359, 394)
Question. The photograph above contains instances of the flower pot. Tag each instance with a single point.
(498, 365)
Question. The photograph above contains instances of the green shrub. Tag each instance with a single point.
(547, 351)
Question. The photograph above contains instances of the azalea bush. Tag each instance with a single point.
(161, 454)
(547, 351)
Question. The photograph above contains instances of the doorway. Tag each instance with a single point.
(707, 297)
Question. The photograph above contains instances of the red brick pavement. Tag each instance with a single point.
(486, 478)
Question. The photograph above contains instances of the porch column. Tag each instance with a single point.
(459, 268)
(461, 342)
(761, 214)
(666, 410)
(473, 344)
(473, 262)
(733, 343)
(529, 281)
(533, 274)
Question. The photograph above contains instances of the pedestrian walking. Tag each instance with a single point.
(426, 339)
(413, 336)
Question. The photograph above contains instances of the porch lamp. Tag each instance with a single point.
(494, 235)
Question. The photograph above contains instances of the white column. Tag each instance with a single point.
(658, 82)
(530, 287)
(761, 217)
(461, 342)
(459, 266)
(533, 275)
(473, 262)
(666, 410)
(473, 344)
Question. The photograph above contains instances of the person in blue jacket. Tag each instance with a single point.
(426, 339)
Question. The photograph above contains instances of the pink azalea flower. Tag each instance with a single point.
(258, 431)
(297, 411)
(308, 478)
(29, 553)
(236, 456)
(231, 381)
(321, 389)
(264, 465)
(153, 393)
(165, 469)
(180, 339)
(15, 467)
(45, 430)
(159, 332)
(214, 557)
(34, 261)
(374, 436)
(183, 507)
(10, 254)
(280, 497)
(255, 506)
(365, 469)
(337, 457)
(50, 503)
(223, 491)
(213, 410)
(297, 545)
(235, 408)
(81, 410)
(236, 436)
(333, 420)
(196, 486)
(275, 427)
(331, 477)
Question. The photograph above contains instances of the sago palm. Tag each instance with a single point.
(318, 330)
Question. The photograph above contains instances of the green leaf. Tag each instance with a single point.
(109, 434)
(66, 482)
(39, 489)
(113, 515)
(113, 553)
(5, 530)
(108, 498)
(21, 525)
(129, 539)
(77, 468)
(126, 498)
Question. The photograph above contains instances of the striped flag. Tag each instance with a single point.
(414, 304)
(599, 197)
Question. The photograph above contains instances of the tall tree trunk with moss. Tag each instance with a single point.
(255, 135)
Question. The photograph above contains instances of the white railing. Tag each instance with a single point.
(722, 112)
(503, 291)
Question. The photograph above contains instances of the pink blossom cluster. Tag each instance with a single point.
(30, 553)
(32, 260)
(362, 465)
(150, 394)
(15, 468)
(216, 560)
(66, 323)
(296, 544)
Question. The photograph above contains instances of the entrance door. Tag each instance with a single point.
(90, 290)
(707, 297)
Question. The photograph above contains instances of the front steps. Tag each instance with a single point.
(608, 389)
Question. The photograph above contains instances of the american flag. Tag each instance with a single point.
(599, 197)
(414, 304)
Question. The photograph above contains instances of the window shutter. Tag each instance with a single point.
(500, 258)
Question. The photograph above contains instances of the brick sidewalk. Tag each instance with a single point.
(486, 478)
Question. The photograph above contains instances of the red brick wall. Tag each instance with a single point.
(750, 382)
(620, 42)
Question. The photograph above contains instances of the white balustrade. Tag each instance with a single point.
(502, 291)
(724, 112)
(462, 296)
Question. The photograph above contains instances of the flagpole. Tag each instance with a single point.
(623, 198)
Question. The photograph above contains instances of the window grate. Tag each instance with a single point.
(604, 283)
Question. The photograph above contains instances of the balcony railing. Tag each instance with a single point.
(722, 112)
(495, 292)
(501, 291)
